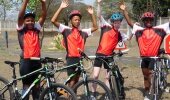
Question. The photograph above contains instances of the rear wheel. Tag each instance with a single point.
(58, 92)
(84, 90)
(6, 93)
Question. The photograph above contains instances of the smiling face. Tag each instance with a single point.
(148, 22)
(29, 22)
(75, 21)
(116, 24)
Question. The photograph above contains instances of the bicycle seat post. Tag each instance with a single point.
(13, 70)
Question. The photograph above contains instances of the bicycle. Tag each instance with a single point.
(116, 79)
(46, 79)
(82, 88)
(158, 77)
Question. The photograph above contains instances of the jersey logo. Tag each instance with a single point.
(167, 44)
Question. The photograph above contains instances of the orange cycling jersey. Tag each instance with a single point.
(29, 42)
(149, 41)
(74, 39)
(108, 40)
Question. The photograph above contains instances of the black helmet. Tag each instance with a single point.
(29, 13)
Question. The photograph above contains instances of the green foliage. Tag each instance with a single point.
(57, 42)
(6, 5)
(159, 7)
(33, 4)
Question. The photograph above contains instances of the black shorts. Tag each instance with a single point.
(70, 61)
(28, 66)
(99, 61)
(147, 63)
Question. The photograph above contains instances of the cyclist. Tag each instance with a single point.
(28, 37)
(74, 37)
(149, 40)
(109, 38)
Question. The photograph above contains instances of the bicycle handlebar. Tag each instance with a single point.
(47, 59)
(83, 54)
(119, 54)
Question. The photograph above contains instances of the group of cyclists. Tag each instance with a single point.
(149, 40)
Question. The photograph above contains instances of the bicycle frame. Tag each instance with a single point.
(44, 72)
(157, 76)
(84, 75)
(114, 71)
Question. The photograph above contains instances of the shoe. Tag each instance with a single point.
(106, 97)
(92, 97)
(147, 96)
(167, 89)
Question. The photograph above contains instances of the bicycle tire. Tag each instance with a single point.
(7, 92)
(114, 87)
(82, 96)
(154, 88)
(59, 92)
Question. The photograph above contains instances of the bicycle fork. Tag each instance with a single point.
(154, 90)
(86, 87)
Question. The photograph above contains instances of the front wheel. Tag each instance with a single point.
(6, 93)
(58, 92)
(114, 88)
(84, 90)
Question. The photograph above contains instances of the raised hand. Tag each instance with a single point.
(43, 0)
(90, 10)
(98, 1)
(64, 4)
(122, 7)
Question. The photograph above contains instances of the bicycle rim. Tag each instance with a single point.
(58, 92)
(102, 91)
(7, 92)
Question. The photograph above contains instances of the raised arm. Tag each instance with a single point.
(22, 12)
(99, 8)
(54, 19)
(123, 8)
(43, 13)
(94, 22)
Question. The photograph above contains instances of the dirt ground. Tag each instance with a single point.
(129, 64)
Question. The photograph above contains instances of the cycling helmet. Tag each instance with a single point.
(29, 13)
(147, 15)
(75, 13)
(116, 16)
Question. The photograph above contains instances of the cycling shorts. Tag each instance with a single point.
(28, 66)
(99, 61)
(73, 69)
(147, 63)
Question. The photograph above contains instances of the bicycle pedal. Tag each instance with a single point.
(62, 92)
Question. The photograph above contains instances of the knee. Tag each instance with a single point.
(95, 76)
(107, 78)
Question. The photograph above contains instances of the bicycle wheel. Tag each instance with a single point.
(58, 92)
(154, 90)
(114, 88)
(102, 91)
(7, 92)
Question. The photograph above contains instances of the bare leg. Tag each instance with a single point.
(96, 71)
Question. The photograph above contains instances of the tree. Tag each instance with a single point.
(159, 7)
(5, 5)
